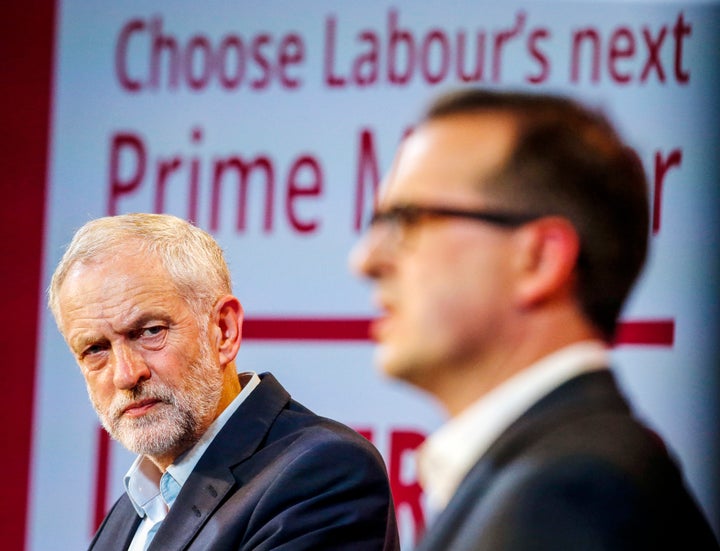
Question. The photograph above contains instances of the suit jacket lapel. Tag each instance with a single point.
(582, 395)
(212, 478)
(118, 528)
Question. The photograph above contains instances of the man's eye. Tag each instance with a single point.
(92, 350)
(152, 331)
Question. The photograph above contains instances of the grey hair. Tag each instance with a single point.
(193, 259)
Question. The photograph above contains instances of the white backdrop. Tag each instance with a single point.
(157, 104)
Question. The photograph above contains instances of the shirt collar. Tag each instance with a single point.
(448, 454)
(152, 492)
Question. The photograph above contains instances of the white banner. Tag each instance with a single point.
(270, 124)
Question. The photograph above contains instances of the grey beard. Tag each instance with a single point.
(179, 420)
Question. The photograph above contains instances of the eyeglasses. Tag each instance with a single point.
(405, 216)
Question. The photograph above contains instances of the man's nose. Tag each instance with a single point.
(129, 367)
(371, 257)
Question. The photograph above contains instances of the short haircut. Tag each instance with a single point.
(569, 161)
(193, 259)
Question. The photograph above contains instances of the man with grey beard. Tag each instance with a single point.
(225, 461)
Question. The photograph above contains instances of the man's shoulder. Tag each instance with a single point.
(582, 433)
(585, 418)
(274, 431)
(590, 471)
(297, 427)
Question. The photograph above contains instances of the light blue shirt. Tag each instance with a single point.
(152, 492)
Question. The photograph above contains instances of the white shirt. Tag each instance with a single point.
(448, 454)
(152, 493)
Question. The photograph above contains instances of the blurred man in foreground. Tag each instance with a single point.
(225, 461)
(507, 236)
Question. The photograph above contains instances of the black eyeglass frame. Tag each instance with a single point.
(405, 215)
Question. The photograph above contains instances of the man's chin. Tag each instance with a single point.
(408, 368)
(145, 436)
(391, 363)
(142, 445)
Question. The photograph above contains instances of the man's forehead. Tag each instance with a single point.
(121, 290)
(118, 271)
(453, 152)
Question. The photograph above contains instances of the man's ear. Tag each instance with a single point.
(229, 317)
(547, 252)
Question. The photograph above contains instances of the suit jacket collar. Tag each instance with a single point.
(213, 478)
(447, 456)
(583, 395)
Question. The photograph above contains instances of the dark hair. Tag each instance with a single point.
(569, 161)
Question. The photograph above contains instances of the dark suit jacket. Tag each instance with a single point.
(277, 476)
(575, 472)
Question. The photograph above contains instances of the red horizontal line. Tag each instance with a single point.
(307, 329)
(646, 332)
(639, 332)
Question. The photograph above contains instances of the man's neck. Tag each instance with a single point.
(231, 389)
(463, 386)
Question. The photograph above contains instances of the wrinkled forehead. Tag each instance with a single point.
(94, 287)
(449, 156)
(117, 267)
